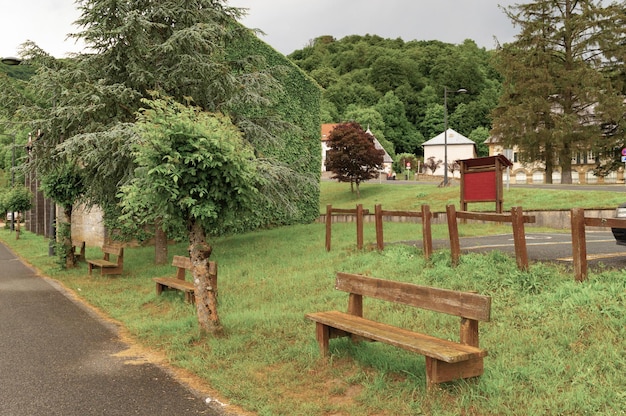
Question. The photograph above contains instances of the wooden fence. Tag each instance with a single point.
(516, 218)
(424, 214)
(579, 241)
(359, 212)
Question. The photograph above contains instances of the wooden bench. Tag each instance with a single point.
(80, 256)
(445, 360)
(183, 264)
(105, 264)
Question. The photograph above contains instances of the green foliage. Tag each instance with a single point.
(291, 162)
(17, 199)
(192, 166)
(560, 95)
(478, 136)
(362, 70)
(400, 161)
(65, 185)
(85, 106)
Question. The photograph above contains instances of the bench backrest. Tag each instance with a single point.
(463, 304)
(116, 250)
(183, 263)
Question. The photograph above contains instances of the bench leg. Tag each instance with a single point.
(159, 288)
(322, 333)
(439, 371)
(189, 297)
(90, 268)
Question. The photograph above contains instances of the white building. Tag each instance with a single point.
(459, 148)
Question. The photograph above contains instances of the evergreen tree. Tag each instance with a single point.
(557, 92)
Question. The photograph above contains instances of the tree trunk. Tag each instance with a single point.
(66, 233)
(205, 288)
(17, 226)
(160, 244)
(566, 166)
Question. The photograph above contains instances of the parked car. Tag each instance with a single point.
(620, 233)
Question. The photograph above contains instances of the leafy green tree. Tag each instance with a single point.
(197, 175)
(325, 76)
(196, 53)
(64, 186)
(398, 130)
(401, 160)
(478, 136)
(17, 199)
(559, 95)
(352, 156)
(433, 122)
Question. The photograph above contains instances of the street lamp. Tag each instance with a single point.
(12, 61)
(445, 131)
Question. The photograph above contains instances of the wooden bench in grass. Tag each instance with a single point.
(105, 264)
(178, 282)
(445, 360)
(80, 255)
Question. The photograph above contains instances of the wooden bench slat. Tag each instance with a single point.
(448, 351)
(183, 285)
(463, 304)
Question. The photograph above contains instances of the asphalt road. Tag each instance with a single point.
(58, 358)
(550, 247)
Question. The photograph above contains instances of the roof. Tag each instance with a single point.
(378, 146)
(326, 129)
(454, 138)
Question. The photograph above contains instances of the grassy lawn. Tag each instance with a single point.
(411, 197)
(555, 346)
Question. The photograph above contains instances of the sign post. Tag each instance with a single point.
(481, 180)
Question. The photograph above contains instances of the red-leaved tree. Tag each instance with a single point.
(352, 156)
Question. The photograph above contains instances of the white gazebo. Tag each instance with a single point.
(459, 148)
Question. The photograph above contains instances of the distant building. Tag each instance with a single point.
(583, 164)
(459, 148)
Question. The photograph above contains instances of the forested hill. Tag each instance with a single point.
(397, 87)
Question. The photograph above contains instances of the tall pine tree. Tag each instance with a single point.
(558, 92)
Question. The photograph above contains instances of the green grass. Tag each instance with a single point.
(411, 197)
(555, 346)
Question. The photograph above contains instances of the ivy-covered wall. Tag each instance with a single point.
(299, 104)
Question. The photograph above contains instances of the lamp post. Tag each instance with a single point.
(12, 61)
(445, 131)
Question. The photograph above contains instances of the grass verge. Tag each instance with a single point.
(555, 346)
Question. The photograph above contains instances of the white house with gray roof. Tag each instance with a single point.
(459, 148)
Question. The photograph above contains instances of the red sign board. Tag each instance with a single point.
(480, 186)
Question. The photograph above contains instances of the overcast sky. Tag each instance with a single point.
(289, 24)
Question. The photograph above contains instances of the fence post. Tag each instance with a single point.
(427, 235)
(359, 226)
(519, 238)
(453, 230)
(579, 244)
(329, 211)
(378, 213)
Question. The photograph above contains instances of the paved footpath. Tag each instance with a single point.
(57, 358)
